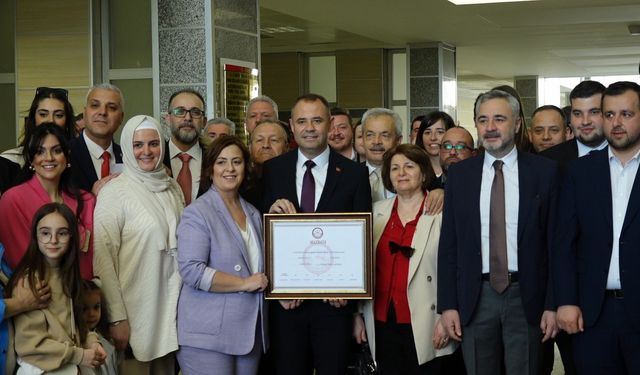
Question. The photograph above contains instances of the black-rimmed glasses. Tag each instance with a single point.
(44, 91)
(181, 112)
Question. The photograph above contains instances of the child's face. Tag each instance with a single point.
(91, 311)
(53, 237)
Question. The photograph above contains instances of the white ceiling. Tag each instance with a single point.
(548, 38)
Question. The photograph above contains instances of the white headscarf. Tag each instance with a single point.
(158, 192)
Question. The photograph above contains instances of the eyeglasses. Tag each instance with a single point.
(45, 236)
(458, 147)
(181, 112)
(45, 91)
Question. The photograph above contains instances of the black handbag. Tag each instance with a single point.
(363, 363)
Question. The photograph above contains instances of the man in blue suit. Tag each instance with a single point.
(596, 251)
(493, 263)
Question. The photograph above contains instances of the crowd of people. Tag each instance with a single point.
(147, 256)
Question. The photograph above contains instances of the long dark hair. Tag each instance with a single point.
(429, 120)
(89, 286)
(34, 267)
(49, 93)
(32, 147)
(212, 153)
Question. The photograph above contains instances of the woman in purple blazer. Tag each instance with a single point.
(221, 315)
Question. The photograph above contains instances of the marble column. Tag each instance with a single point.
(432, 79)
(527, 87)
(191, 37)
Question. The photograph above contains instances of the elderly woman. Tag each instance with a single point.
(46, 178)
(429, 138)
(48, 105)
(402, 325)
(221, 312)
(136, 219)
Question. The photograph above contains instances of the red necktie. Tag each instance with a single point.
(308, 195)
(184, 177)
(104, 171)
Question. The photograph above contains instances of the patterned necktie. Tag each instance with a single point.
(105, 169)
(184, 177)
(377, 187)
(308, 195)
(498, 268)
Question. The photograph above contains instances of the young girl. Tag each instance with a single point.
(50, 340)
(95, 316)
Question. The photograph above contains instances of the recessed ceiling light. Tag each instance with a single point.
(474, 2)
(634, 29)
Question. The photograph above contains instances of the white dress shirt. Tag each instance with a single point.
(585, 150)
(96, 152)
(512, 205)
(622, 177)
(319, 173)
(372, 169)
(195, 163)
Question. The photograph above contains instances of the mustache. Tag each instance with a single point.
(491, 134)
(376, 148)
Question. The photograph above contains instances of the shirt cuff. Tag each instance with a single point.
(207, 279)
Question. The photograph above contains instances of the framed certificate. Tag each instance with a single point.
(317, 256)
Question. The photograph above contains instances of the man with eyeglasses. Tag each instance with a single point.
(186, 118)
(457, 145)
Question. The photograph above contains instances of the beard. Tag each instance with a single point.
(184, 134)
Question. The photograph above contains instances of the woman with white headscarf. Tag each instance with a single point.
(135, 248)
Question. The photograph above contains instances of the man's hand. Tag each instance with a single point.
(98, 185)
(290, 304)
(120, 334)
(434, 202)
(569, 319)
(282, 206)
(548, 325)
(451, 321)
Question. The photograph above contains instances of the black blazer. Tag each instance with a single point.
(564, 153)
(583, 240)
(346, 188)
(8, 173)
(459, 253)
(83, 174)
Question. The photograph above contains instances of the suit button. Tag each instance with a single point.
(237, 267)
(429, 278)
(433, 307)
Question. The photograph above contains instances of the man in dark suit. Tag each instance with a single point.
(493, 257)
(596, 258)
(313, 334)
(183, 155)
(586, 123)
(94, 154)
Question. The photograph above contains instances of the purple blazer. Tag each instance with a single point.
(208, 238)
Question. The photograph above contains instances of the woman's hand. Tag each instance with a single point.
(359, 331)
(255, 283)
(440, 336)
(27, 300)
(290, 304)
(282, 206)
(120, 334)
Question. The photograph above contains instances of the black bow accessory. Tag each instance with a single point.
(405, 250)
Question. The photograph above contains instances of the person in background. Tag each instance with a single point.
(548, 128)
(221, 263)
(415, 126)
(219, 126)
(358, 142)
(136, 217)
(48, 105)
(522, 136)
(259, 108)
(46, 178)
(404, 331)
(94, 313)
(457, 145)
(341, 134)
(429, 138)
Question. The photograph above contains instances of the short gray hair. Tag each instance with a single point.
(224, 121)
(377, 112)
(499, 94)
(263, 98)
(109, 87)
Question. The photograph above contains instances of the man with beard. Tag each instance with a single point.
(596, 258)
(586, 122)
(457, 145)
(341, 134)
(183, 153)
(493, 256)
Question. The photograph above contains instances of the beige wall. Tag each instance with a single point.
(360, 78)
(52, 49)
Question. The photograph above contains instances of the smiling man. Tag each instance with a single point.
(312, 334)
(183, 154)
(493, 255)
(341, 134)
(382, 130)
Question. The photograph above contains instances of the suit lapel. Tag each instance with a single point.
(634, 203)
(254, 222)
(117, 151)
(602, 186)
(231, 226)
(422, 233)
(333, 174)
(526, 192)
(85, 160)
(475, 182)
